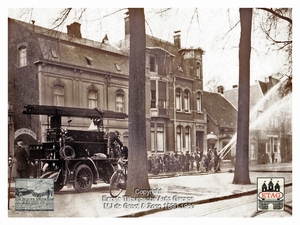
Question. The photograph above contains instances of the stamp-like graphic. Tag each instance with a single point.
(270, 193)
(34, 194)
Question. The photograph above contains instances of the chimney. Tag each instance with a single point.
(105, 40)
(126, 20)
(220, 89)
(177, 37)
(74, 30)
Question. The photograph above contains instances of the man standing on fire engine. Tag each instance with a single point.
(23, 159)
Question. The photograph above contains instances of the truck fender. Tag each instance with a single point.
(89, 162)
(93, 168)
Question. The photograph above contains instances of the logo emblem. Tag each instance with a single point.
(270, 193)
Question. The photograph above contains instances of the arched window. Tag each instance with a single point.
(120, 100)
(199, 108)
(186, 100)
(92, 96)
(58, 94)
(179, 138)
(187, 138)
(22, 56)
(93, 99)
(178, 100)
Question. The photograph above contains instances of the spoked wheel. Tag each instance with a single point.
(83, 178)
(117, 183)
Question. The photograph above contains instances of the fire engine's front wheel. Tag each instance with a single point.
(83, 178)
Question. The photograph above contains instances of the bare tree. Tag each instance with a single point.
(137, 163)
(276, 24)
(241, 174)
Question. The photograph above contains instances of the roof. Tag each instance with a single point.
(255, 95)
(60, 47)
(266, 86)
(220, 110)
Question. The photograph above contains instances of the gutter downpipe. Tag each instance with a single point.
(175, 125)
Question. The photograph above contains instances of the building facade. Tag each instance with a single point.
(47, 67)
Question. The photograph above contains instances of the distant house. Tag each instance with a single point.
(270, 122)
(221, 121)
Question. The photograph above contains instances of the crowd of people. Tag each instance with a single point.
(157, 163)
(184, 162)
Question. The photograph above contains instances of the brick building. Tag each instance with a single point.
(47, 67)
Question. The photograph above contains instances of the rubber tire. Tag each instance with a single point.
(83, 178)
(114, 189)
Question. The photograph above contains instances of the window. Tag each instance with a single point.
(199, 109)
(186, 101)
(198, 70)
(153, 93)
(58, 95)
(120, 101)
(178, 99)
(152, 137)
(191, 71)
(160, 137)
(162, 95)
(179, 138)
(152, 64)
(93, 99)
(252, 151)
(22, 56)
(157, 137)
(187, 139)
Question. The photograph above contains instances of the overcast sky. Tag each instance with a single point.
(212, 29)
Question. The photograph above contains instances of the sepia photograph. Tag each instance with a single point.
(149, 112)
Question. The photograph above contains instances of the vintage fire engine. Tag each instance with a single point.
(74, 157)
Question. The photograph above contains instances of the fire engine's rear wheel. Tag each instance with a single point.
(83, 178)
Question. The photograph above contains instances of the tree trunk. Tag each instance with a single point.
(137, 156)
(241, 174)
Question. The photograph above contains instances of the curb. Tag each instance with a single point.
(198, 202)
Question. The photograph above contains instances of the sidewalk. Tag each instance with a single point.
(210, 187)
(171, 191)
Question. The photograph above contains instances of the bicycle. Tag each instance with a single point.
(118, 180)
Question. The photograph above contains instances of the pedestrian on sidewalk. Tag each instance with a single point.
(14, 171)
(23, 160)
(216, 160)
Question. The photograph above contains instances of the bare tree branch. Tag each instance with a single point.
(278, 15)
(64, 15)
